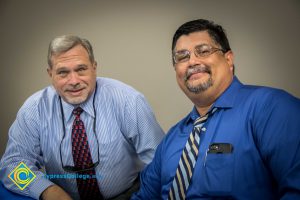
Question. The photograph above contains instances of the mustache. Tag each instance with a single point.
(75, 87)
(197, 69)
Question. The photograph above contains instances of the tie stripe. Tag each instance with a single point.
(187, 161)
(184, 174)
(171, 193)
(187, 166)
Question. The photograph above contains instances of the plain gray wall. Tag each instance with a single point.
(132, 41)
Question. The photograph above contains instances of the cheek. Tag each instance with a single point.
(90, 77)
(219, 72)
(58, 84)
(180, 74)
(179, 78)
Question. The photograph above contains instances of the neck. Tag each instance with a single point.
(202, 110)
(204, 100)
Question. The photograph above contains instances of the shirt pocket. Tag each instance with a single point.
(218, 173)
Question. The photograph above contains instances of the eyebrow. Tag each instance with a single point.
(197, 45)
(82, 65)
(62, 69)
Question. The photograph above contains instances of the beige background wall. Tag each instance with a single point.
(132, 41)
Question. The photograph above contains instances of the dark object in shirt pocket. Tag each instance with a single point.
(220, 148)
(219, 170)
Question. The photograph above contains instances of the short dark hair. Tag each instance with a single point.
(216, 32)
(64, 43)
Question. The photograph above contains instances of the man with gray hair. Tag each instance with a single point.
(91, 136)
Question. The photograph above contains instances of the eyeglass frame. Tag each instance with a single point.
(188, 53)
(73, 169)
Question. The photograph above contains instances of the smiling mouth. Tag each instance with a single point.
(195, 75)
(197, 72)
(75, 92)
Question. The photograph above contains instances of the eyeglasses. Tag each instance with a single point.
(74, 169)
(202, 51)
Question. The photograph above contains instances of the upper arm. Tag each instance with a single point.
(24, 146)
(150, 179)
(142, 128)
(278, 133)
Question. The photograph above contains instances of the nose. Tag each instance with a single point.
(193, 59)
(74, 78)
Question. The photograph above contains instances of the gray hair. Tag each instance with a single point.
(64, 43)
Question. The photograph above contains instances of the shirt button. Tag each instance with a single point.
(203, 129)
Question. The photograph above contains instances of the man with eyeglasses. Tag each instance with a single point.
(238, 142)
(91, 135)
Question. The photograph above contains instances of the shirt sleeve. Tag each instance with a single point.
(23, 146)
(277, 131)
(142, 128)
(150, 179)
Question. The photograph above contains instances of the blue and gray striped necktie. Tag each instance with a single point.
(187, 161)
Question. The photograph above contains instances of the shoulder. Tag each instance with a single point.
(178, 128)
(263, 103)
(116, 90)
(269, 96)
(115, 85)
(38, 101)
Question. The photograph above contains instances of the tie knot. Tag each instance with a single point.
(77, 111)
(200, 120)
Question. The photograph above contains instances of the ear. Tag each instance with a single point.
(49, 72)
(229, 58)
(95, 65)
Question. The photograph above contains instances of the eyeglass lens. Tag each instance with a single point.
(202, 50)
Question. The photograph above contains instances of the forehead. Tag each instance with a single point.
(76, 54)
(193, 39)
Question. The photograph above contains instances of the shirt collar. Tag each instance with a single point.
(226, 100)
(87, 107)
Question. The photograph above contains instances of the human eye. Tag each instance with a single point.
(181, 56)
(203, 50)
(82, 69)
(62, 73)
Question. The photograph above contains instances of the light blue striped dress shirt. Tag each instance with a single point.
(126, 129)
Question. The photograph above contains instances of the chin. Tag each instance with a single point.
(76, 101)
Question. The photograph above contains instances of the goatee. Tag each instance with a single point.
(201, 87)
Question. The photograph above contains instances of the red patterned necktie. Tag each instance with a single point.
(88, 188)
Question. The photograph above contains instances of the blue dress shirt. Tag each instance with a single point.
(263, 126)
(126, 129)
